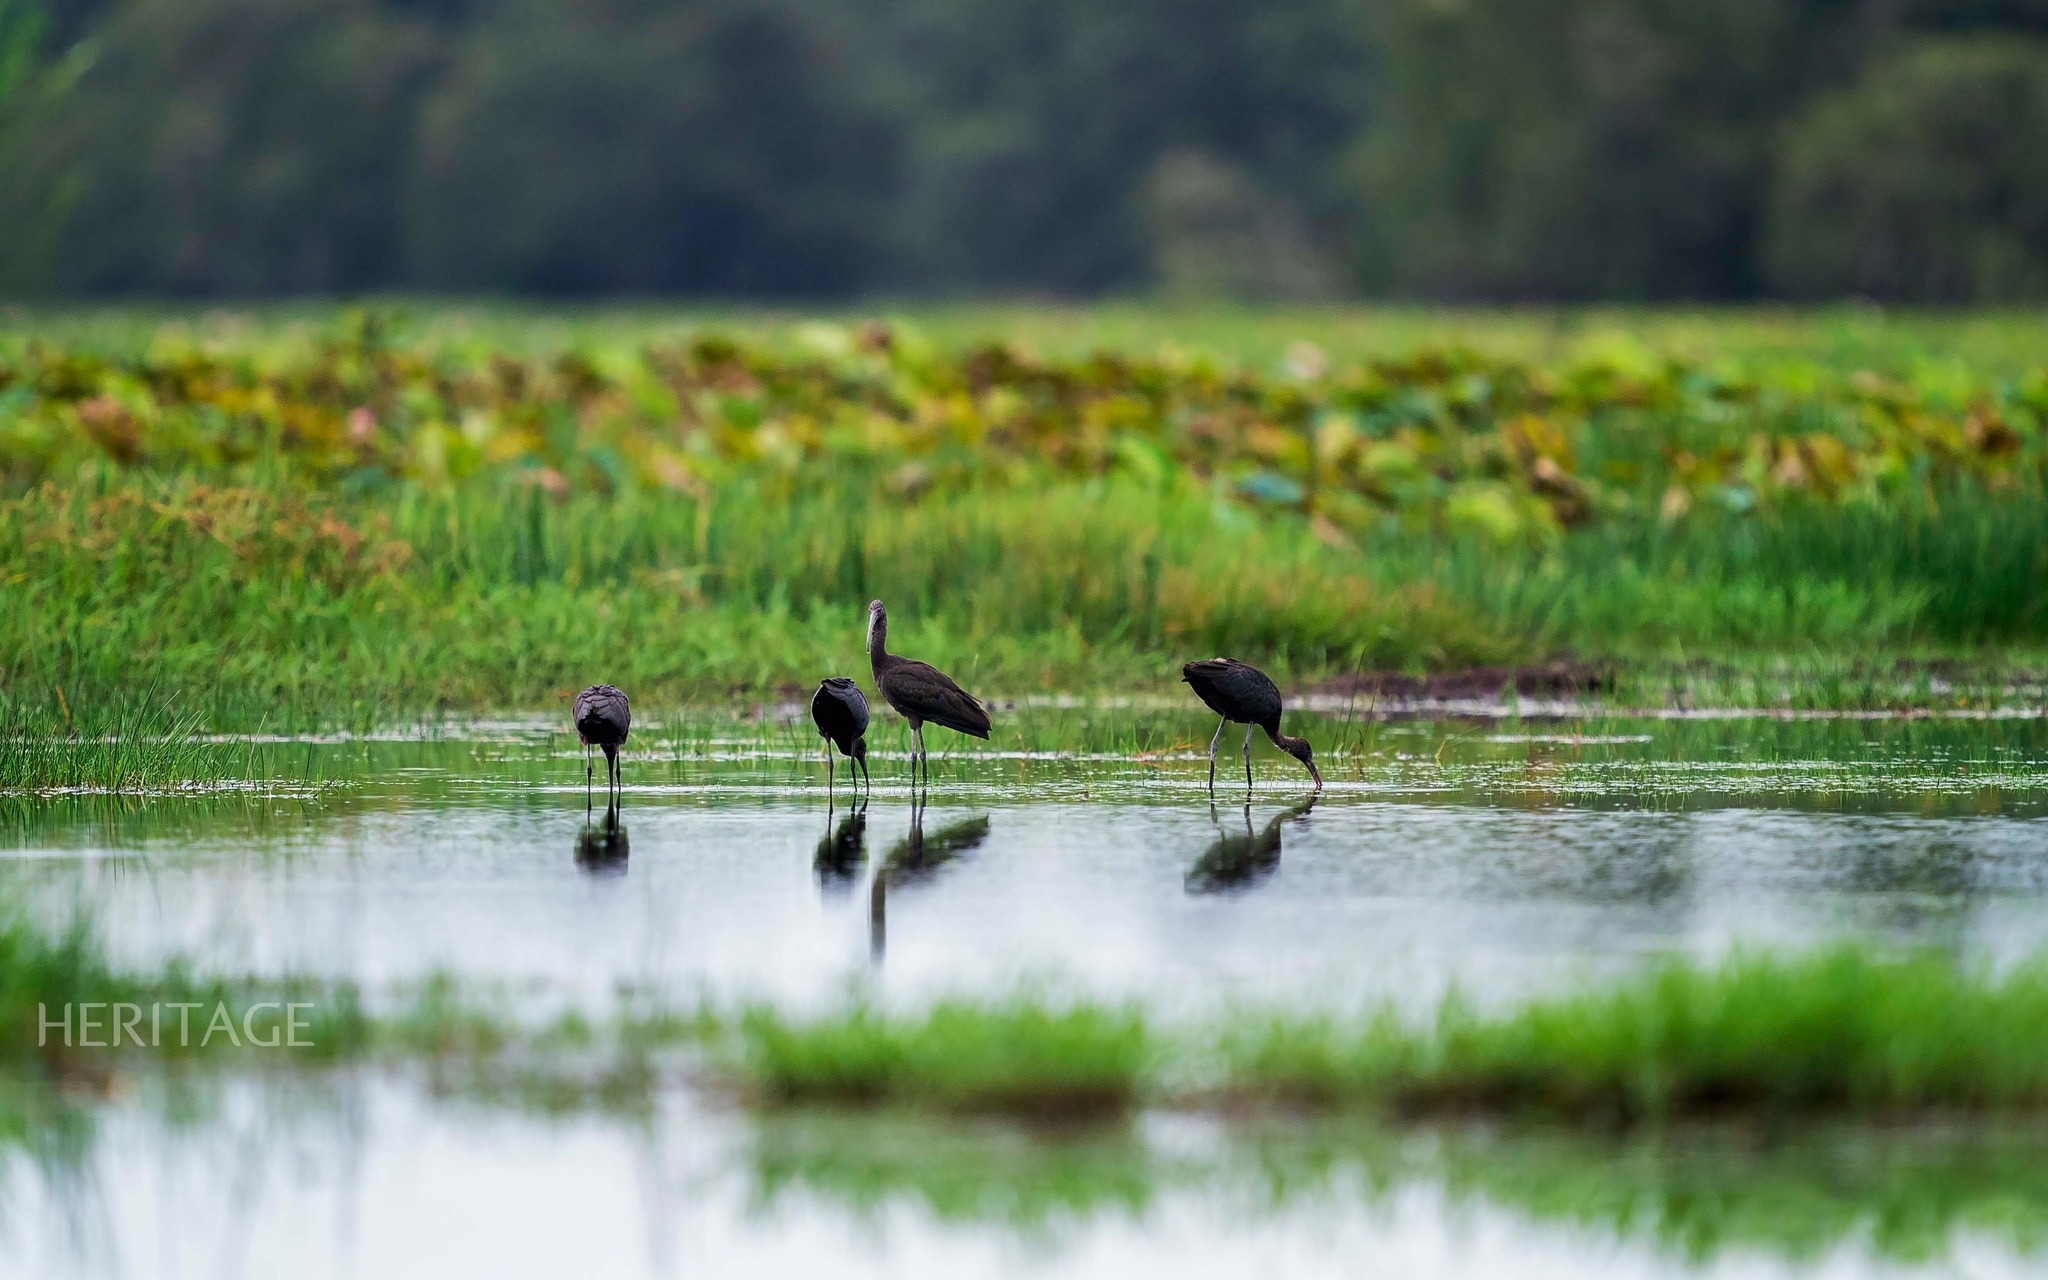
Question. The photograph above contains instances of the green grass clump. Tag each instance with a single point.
(1024, 1055)
(123, 742)
(1845, 1030)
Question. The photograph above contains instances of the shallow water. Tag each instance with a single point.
(373, 1177)
(1500, 856)
(1492, 856)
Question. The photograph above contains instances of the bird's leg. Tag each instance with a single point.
(1247, 760)
(1212, 753)
(831, 777)
(589, 781)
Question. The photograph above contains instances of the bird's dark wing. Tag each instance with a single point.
(602, 715)
(827, 712)
(922, 690)
(855, 702)
(1235, 690)
(840, 711)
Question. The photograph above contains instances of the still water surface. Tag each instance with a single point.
(1497, 857)
(1441, 854)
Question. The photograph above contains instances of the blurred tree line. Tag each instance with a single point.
(1623, 149)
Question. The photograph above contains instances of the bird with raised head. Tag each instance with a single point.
(602, 718)
(920, 692)
(1242, 694)
(840, 711)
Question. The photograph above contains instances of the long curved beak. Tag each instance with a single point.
(1313, 773)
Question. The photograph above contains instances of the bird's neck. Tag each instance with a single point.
(878, 643)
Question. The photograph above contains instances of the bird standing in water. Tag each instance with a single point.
(602, 718)
(1241, 693)
(920, 691)
(840, 711)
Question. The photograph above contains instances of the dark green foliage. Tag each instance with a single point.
(633, 146)
(1037, 129)
(243, 146)
(1296, 149)
(21, 32)
(1566, 148)
(1927, 180)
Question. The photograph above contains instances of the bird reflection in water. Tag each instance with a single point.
(601, 848)
(843, 850)
(1237, 862)
(916, 859)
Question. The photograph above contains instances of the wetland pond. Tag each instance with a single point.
(1494, 856)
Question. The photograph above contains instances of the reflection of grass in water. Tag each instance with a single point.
(1027, 1178)
(1694, 1191)
(1703, 1192)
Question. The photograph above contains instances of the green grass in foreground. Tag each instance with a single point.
(1024, 1056)
(44, 974)
(1847, 1031)
(1844, 1031)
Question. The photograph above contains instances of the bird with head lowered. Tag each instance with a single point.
(1242, 694)
(602, 718)
(840, 711)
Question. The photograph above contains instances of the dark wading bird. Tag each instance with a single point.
(920, 692)
(840, 711)
(1241, 694)
(602, 718)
